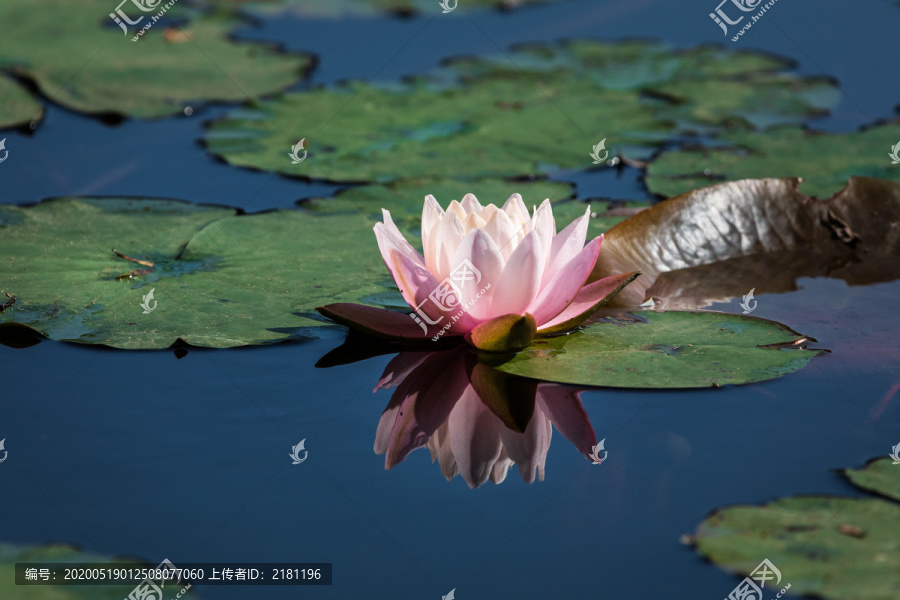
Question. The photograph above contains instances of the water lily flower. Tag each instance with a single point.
(475, 421)
(497, 276)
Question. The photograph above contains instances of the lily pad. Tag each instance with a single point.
(824, 161)
(824, 546)
(17, 107)
(220, 279)
(877, 477)
(95, 67)
(540, 110)
(11, 554)
(721, 241)
(664, 350)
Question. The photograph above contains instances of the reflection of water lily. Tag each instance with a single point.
(496, 275)
(476, 422)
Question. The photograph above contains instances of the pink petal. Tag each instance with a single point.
(470, 204)
(568, 243)
(488, 212)
(416, 283)
(562, 405)
(480, 250)
(439, 445)
(529, 449)
(450, 232)
(520, 281)
(506, 235)
(473, 221)
(399, 368)
(501, 467)
(390, 238)
(565, 284)
(542, 224)
(517, 210)
(431, 216)
(588, 300)
(475, 438)
(457, 209)
(425, 398)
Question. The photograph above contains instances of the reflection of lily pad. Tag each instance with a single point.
(824, 161)
(825, 546)
(220, 280)
(489, 118)
(92, 66)
(17, 107)
(719, 242)
(60, 553)
(665, 350)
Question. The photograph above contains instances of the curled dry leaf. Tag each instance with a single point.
(717, 242)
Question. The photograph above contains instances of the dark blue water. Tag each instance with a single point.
(144, 454)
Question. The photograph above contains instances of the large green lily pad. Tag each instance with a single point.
(221, 279)
(721, 241)
(94, 67)
(18, 107)
(11, 554)
(824, 161)
(665, 350)
(545, 110)
(825, 546)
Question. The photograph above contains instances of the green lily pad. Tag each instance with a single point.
(483, 118)
(824, 161)
(877, 477)
(701, 88)
(725, 240)
(825, 546)
(17, 107)
(94, 67)
(11, 554)
(664, 350)
(220, 279)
